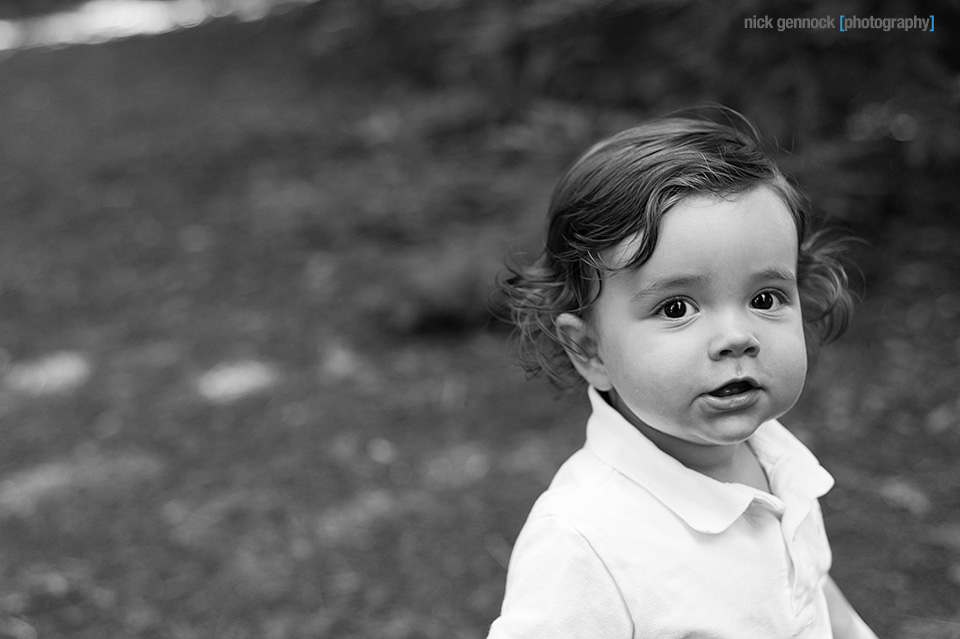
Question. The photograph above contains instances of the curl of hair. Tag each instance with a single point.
(535, 297)
(826, 301)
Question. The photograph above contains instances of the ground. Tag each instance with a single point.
(250, 386)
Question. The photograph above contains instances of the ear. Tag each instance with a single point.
(581, 346)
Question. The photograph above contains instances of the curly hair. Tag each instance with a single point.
(621, 188)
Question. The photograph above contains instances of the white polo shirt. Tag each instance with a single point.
(628, 542)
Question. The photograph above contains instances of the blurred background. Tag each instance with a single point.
(250, 382)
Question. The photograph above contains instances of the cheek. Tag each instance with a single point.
(651, 365)
(793, 356)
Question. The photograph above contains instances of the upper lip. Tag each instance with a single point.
(736, 380)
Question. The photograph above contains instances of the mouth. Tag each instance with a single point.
(736, 387)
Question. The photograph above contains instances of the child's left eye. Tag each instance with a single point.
(767, 301)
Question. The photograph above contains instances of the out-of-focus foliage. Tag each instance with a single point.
(14, 9)
(869, 104)
(21, 9)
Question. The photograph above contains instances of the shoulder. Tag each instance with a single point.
(590, 496)
(574, 487)
(591, 506)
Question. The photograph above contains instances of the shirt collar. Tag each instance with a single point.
(705, 504)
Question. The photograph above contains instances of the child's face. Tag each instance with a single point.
(704, 342)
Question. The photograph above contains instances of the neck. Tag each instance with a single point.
(731, 463)
(734, 462)
(712, 460)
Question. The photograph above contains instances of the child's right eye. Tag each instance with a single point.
(675, 309)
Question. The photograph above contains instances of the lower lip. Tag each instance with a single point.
(733, 402)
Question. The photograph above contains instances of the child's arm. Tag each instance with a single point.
(845, 621)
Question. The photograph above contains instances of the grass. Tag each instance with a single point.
(204, 210)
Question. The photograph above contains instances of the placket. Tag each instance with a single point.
(806, 545)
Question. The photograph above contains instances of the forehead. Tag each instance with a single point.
(706, 232)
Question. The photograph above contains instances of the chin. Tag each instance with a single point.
(734, 429)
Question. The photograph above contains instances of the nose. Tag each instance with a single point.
(734, 339)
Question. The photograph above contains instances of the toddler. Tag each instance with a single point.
(681, 281)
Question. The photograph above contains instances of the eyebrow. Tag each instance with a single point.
(659, 287)
(776, 275)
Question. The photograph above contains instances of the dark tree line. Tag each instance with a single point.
(873, 107)
(880, 110)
